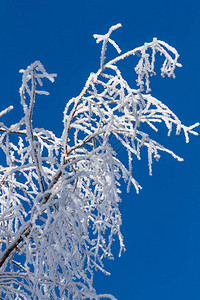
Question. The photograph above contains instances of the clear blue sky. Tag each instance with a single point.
(161, 226)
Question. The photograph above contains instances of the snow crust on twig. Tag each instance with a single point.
(59, 199)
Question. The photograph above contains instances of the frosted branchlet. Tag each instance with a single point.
(59, 200)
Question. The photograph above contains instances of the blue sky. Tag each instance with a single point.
(161, 225)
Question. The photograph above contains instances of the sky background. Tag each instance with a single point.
(161, 225)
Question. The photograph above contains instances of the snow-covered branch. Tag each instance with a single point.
(59, 200)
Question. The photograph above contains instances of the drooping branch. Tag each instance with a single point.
(62, 213)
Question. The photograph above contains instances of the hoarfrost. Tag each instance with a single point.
(59, 199)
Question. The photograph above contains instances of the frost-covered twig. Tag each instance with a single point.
(106, 38)
(59, 201)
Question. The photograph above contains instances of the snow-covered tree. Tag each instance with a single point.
(59, 196)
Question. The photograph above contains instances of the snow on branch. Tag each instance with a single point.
(59, 199)
(5, 111)
(106, 38)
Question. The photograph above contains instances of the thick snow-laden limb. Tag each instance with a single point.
(59, 199)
